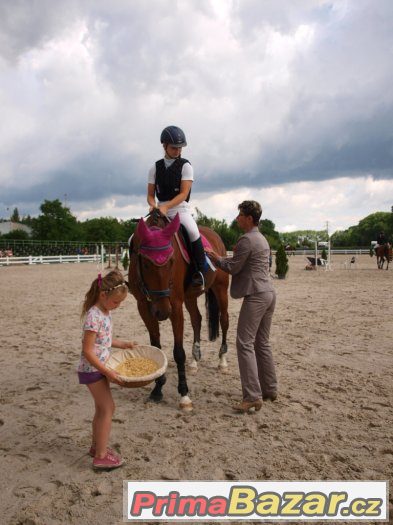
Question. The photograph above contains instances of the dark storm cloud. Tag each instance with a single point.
(26, 24)
(267, 92)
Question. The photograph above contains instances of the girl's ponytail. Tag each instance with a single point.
(112, 282)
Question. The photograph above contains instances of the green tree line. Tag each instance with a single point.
(366, 231)
(57, 223)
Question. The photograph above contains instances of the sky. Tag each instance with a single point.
(288, 102)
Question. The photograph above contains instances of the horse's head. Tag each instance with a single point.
(155, 261)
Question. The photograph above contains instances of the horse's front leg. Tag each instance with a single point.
(191, 303)
(220, 289)
(179, 354)
(152, 326)
(224, 323)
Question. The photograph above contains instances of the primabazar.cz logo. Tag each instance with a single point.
(255, 500)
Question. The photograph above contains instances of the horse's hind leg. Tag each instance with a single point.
(196, 321)
(152, 325)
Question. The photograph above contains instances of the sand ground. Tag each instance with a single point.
(332, 342)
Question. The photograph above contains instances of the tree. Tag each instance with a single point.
(103, 229)
(15, 216)
(20, 235)
(230, 234)
(56, 223)
(281, 262)
(366, 230)
(267, 228)
(125, 262)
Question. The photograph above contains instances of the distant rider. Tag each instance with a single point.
(381, 240)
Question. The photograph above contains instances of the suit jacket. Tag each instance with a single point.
(249, 265)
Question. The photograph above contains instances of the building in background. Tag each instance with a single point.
(8, 227)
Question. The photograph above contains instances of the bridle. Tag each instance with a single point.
(149, 294)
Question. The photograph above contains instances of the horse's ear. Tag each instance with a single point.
(172, 227)
(142, 230)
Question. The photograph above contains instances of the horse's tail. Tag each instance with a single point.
(212, 314)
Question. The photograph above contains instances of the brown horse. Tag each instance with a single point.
(159, 279)
(383, 253)
(289, 250)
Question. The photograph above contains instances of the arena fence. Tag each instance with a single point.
(50, 259)
(102, 256)
(26, 248)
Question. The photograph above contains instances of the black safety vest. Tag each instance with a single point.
(168, 180)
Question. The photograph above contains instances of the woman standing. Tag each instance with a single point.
(251, 280)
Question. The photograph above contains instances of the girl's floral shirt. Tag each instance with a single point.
(97, 321)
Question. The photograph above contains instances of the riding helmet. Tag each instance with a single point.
(173, 136)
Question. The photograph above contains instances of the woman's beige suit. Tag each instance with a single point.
(251, 279)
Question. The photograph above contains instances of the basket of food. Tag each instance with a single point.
(139, 366)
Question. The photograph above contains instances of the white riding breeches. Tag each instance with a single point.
(184, 211)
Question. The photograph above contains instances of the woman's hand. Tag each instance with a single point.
(212, 254)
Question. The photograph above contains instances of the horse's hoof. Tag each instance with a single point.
(156, 398)
(223, 369)
(186, 404)
(223, 365)
(193, 367)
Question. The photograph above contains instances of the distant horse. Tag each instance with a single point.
(159, 279)
(383, 253)
(289, 249)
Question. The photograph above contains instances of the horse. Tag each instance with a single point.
(383, 253)
(289, 250)
(159, 279)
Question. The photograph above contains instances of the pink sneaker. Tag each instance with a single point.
(108, 462)
(92, 451)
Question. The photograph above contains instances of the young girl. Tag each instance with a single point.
(105, 294)
(170, 180)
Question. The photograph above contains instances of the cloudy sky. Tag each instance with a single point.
(289, 102)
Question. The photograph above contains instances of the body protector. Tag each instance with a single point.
(168, 180)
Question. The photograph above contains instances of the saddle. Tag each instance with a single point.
(184, 243)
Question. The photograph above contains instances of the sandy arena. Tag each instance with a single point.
(332, 342)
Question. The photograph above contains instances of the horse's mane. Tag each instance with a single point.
(157, 219)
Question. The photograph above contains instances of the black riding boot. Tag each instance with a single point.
(198, 254)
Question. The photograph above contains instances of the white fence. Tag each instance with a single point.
(332, 251)
(49, 259)
(97, 258)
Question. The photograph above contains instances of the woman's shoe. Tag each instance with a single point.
(270, 397)
(110, 461)
(245, 406)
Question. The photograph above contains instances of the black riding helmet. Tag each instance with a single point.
(173, 136)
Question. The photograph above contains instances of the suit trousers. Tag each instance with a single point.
(257, 372)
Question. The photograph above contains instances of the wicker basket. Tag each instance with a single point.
(149, 352)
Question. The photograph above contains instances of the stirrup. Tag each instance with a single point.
(198, 280)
